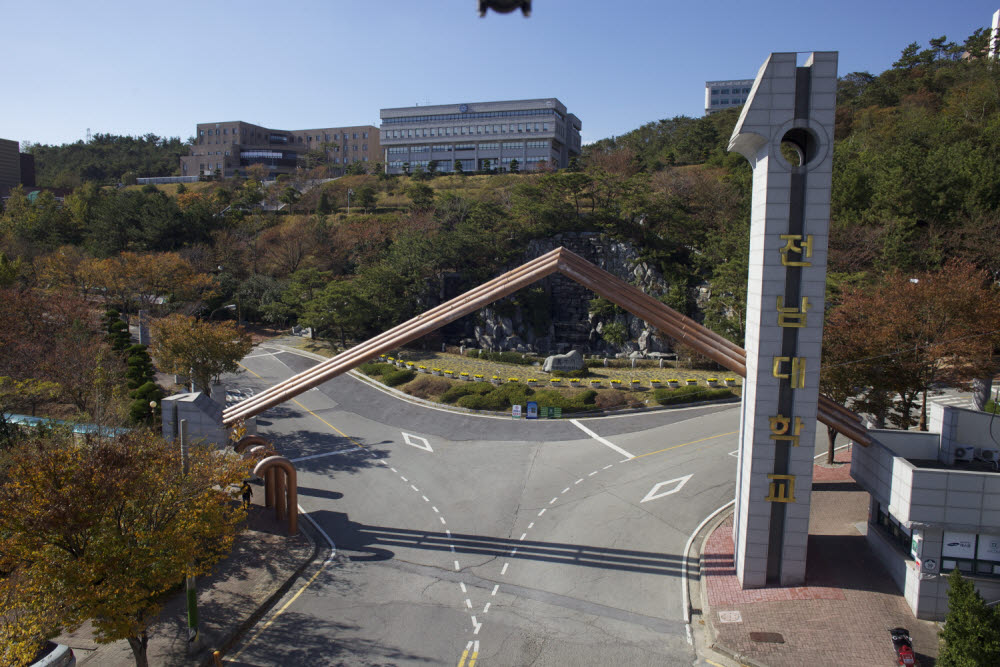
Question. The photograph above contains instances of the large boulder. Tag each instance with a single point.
(571, 361)
(650, 343)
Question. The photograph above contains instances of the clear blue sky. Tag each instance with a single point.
(161, 67)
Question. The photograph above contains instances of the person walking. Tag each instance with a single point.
(247, 491)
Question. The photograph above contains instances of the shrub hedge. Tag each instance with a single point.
(688, 394)
(374, 368)
(457, 391)
(398, 377)
(549, 398)
(482, 402)
(582, 373)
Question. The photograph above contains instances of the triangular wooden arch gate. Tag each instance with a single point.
(560, 260)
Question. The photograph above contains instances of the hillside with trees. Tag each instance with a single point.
(916, 184)
(106, 159)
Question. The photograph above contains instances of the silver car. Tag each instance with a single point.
(55, 655)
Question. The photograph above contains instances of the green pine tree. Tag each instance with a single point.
(971, 635)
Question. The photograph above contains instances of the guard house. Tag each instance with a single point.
(935, 505)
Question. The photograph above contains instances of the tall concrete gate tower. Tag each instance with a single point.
(786, 132)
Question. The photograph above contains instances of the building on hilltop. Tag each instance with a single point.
(229, 148)
(16, 168)
(480, 135)
(726, 94)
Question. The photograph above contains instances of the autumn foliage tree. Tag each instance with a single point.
(56, 342)
(204, 350)
(141, 280)
(907, 333)
(100, 531)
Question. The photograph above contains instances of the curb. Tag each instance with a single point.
(264, 607)
(489, 413)
(709, 628)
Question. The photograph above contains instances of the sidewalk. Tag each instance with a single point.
(263, 564)
(841, 617)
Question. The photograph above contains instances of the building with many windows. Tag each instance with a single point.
(228, 148)
(726, 94)
(480, 135)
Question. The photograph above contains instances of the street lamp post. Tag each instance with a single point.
(194, 638)
(349, 193)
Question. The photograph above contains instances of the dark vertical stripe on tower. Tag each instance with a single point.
(789, 336)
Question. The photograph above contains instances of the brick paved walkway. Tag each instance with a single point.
(841, 617)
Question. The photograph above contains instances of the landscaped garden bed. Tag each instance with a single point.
(499, 385)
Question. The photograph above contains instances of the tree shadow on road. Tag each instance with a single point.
(325, 453)
(301, 639)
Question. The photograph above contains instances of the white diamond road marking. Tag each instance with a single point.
(655, 492)
(417, 441)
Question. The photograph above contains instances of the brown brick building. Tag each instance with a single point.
(226, 148)
(16, 168)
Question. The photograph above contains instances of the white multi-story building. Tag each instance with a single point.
(726, 94)
(480, 135)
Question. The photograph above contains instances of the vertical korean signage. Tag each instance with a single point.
(785, 132)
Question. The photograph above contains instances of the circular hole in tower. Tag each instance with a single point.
(799, 146)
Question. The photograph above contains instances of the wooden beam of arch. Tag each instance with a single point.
(670, 322)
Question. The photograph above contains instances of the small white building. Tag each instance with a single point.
(935, 505)
(725, 94)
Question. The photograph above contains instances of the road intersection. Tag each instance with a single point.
(467, 539)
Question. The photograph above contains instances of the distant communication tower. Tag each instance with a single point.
(89, 137)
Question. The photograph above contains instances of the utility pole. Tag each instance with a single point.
(349, 193)
(194, 637)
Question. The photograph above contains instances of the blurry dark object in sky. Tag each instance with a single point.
(505, 6)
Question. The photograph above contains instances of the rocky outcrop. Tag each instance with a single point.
(568, 324)
(571, 361)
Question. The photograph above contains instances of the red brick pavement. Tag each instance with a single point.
(843, 613)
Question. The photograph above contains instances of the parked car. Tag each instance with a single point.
(54, 655)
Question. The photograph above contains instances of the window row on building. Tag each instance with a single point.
(448, 166)
(450, 131)
(282, 151)
(724, 94)
(458, 148)
(237, 133)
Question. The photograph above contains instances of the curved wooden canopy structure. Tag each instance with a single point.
(560, 260)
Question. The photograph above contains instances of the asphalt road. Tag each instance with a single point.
(463, 539)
